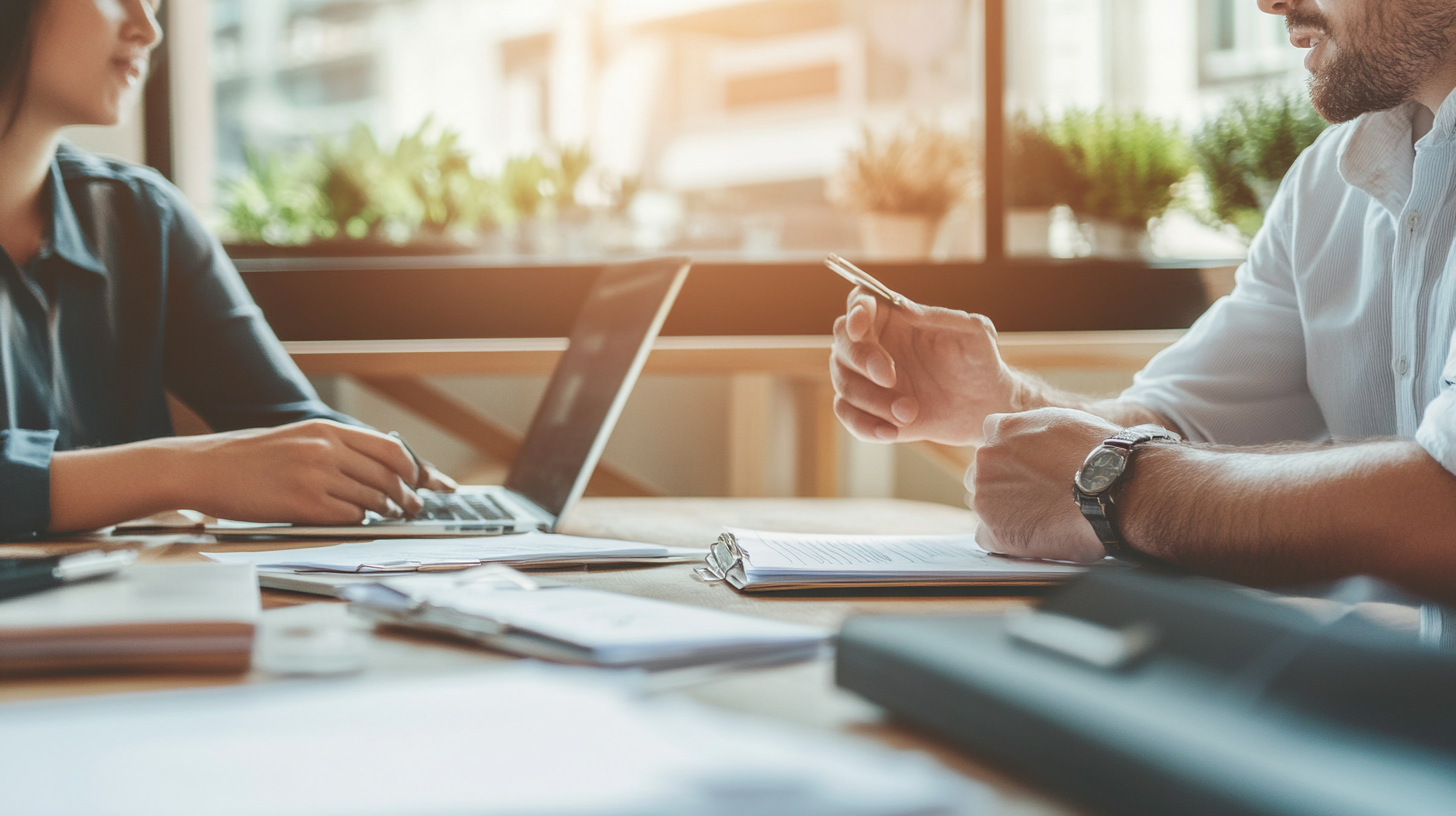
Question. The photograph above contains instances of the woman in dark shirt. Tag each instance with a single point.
(112, 292)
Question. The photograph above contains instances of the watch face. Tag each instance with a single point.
(1100, 471)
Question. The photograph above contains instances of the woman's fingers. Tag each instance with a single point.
(372, 474)
(387, 451)
(437, 481)
(361, 497)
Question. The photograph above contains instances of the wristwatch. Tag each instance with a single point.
(1103, 473)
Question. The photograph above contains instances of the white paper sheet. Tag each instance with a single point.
(810, 556)
(614, 629)
(395, 554)
(523, 740)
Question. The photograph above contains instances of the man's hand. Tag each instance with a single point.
(916, 372)
(1021, 483)
(312, 472)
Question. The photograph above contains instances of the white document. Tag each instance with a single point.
(410, 554)
(522, 740)
(502, 609)
(768, 560)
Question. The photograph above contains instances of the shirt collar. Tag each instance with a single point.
(67, 240)
(1380, 155)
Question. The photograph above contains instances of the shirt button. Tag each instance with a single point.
(1401, 367)
(1413, 220)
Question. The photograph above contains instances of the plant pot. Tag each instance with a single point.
(886, 236)
(1028, 232)
(1110, 239)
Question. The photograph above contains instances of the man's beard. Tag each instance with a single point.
(1398, 48)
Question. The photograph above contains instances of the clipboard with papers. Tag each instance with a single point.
(763, 561)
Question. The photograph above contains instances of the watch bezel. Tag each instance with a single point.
(1122, 455)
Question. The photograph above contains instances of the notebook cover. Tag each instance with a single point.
(149, 617)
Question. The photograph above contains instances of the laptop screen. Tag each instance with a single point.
(609, 343)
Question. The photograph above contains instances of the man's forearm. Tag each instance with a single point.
(1032, 392)
(1283, 517)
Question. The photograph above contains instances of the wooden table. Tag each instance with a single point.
(804, 693)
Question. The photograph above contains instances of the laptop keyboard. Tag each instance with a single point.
(454, 507)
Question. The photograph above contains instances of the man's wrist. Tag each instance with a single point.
(1027, 392)
(1107, 471)
(1151, 505)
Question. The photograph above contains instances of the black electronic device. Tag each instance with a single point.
(1137, 692)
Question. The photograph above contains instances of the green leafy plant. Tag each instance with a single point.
(279, 201)
(352, 188)
(1040, 176)
(528, 184)
(454, 198)
(369, 193)
(1246, 149)
(1127, 165)
(920, 170)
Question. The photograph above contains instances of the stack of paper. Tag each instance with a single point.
(325, 570)
(522, 740)
(755, 560)
(506, 610)
(153, 617)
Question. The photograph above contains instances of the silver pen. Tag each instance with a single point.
(859, 277)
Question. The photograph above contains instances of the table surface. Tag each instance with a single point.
(803, 693)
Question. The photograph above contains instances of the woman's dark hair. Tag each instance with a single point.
(17, 31)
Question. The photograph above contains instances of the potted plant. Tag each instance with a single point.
(352, 196)
(278, 202)
(902, 186)
(1128, 166)
(1244, 152)
(1039, 178)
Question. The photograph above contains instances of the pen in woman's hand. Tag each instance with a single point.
(419, 463)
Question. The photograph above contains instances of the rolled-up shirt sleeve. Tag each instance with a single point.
(1238, 377)
(25, 482)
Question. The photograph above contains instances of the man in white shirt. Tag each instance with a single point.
(1318, 398)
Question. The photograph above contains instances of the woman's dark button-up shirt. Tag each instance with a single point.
(130, 297)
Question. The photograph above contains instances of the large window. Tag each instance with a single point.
(717, 127)
(706, 125)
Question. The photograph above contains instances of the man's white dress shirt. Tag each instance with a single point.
(1341, 322)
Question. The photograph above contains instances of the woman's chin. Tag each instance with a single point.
(106, 113)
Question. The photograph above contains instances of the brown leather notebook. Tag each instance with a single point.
(150, 617)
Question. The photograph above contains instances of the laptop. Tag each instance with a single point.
(608, 346)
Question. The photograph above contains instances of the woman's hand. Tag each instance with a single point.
(312, 472)
(903, 373)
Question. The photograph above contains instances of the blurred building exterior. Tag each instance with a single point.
(733, 114)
